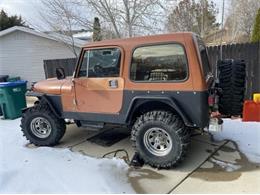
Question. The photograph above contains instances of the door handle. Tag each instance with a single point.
(113, 84)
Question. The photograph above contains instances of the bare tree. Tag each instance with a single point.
(196, 16)
(182, 17)
(129, 17)
(206, 17)
(62, 17)
(241, 17)
(119, 18)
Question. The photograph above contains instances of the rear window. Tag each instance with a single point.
(159, 63)
(204, 58)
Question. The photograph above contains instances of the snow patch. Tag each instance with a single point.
(53, 170)
(137, 174)
(245, 134)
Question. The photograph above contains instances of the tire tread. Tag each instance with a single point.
(172, 121)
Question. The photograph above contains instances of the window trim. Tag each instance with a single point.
(85, 49)
(198, 41)
(157, 44)
(87, 62)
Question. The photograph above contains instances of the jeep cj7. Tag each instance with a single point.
(157, 86)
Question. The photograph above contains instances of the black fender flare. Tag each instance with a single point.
(140, 100)
(44, 99)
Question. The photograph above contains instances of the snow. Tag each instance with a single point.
(245, 134)
(53, 170)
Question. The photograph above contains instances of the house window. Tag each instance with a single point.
(98, 63)
(159, 63)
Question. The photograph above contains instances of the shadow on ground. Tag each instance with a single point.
(206, 161)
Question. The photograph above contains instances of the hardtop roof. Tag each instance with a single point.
(141, 40)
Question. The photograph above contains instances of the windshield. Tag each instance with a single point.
(100, 63)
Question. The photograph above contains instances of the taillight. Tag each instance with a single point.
(211, 100)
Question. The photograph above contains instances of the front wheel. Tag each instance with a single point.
(41, 127)
(160, 138)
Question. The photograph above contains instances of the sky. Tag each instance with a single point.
(29, 10)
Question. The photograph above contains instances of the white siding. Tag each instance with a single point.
(22, 54)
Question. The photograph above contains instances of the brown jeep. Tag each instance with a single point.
(157, 86)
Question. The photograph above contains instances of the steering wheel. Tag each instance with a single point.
(98, 69)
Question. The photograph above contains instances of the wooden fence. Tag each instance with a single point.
(249, 52)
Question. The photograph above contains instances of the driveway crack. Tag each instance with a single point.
(212, 154)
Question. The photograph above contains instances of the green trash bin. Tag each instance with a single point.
(12, 98)
(13, 79)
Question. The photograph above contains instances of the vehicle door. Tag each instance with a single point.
(98, 84)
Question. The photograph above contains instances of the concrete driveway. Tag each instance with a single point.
(210, 167)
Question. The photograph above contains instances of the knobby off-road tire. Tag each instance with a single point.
(171, 128)
(41, 127)
(232, 79)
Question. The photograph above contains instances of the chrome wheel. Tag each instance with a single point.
(157, 141)
(40, 127)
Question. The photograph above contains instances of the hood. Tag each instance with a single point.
(50, 86)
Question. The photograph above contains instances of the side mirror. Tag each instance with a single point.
(60, 73)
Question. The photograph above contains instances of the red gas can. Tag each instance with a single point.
(251, 111)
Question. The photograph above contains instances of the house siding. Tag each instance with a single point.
(22, 54)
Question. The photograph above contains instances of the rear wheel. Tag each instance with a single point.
(232, 78)
(160, 138)
(41, 127)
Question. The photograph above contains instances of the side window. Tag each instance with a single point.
(101, 63)
(204, 58)
(163, 63)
